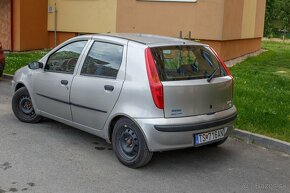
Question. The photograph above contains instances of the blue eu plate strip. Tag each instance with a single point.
(196, 139)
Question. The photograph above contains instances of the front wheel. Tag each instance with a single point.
(130, 145)
(23, 108)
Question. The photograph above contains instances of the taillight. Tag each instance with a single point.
(156, 86)
(226, 69)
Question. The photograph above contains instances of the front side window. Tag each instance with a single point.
(65, 59)
(186, 63)
(104, 60)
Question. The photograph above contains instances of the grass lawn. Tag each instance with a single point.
(14, 61)
(262, 92)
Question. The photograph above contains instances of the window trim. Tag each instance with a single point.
(82, 40)
(88, 52)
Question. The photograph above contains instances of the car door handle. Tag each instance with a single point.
(109, 87)
(64, 82)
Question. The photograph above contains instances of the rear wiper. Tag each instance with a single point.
(212, 75)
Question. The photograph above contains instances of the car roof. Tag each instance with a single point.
(150, 39)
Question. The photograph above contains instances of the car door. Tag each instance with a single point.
(52, 85)
(96, 87)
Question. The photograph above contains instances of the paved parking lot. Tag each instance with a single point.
(54, 158)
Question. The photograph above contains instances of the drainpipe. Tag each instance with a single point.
(11, 24)
(55, 24)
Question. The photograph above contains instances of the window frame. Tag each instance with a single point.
(88, 52)
(62, 46)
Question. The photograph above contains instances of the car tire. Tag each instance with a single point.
(218, 143)
(23, 108)
(130, 145)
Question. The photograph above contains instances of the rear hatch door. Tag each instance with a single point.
(194, 81)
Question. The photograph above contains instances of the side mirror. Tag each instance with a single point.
(35, 65)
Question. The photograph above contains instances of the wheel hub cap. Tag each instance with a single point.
(25, 105)
(128, 143)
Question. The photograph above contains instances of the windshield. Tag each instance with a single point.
(186, 63)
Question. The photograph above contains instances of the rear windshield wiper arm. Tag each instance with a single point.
(212, 75)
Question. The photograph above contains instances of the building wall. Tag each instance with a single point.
(16, 25)
(60, 37)
(231, 49)
(89, 16)
(29, 25)
(169, 18)
(232, 27)
(5, 24)
(243, 19)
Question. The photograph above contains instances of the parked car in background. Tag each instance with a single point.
(2, 60)
(142, 93)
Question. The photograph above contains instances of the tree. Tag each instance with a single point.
(277, 16)
(282, 13)
(269, 18)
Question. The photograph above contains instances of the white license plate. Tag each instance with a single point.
(202, 138)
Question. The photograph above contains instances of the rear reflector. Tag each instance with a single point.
(226, 69)
(156, 86)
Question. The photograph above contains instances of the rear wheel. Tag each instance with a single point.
(23, 108)
(129, 144)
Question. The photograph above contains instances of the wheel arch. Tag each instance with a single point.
(114, 120)
(112, 125)
(19, 85)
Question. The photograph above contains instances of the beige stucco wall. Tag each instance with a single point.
(249, 19)
(84, 16)
(243, 19)
(204, 19)
(232, 27)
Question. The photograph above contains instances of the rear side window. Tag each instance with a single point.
(104, 60)
(186, 63)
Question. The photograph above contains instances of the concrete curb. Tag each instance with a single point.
(7, 77)
(261, 140)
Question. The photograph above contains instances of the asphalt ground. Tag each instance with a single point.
(51, 157)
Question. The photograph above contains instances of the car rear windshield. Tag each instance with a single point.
(186, 63)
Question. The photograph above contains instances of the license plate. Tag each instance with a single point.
(202, 138)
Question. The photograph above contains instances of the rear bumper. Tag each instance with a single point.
(175, 133)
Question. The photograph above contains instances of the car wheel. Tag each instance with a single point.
(129, 144)
(218, 143)
(23, 108)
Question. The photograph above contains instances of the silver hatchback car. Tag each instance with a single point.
(142, 93)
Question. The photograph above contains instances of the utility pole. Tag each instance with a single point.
(52, 9)
(55, 24)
